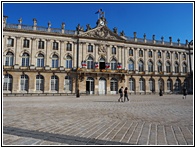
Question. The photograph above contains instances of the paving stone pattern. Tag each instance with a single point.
(98, 120)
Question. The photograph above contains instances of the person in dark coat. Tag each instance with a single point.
(126, 94)
(184, 93)
(121, 94)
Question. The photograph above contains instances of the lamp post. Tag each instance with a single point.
(78, 28)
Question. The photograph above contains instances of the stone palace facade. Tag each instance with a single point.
(94, 61)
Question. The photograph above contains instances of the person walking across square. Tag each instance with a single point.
(126, 94)
(121, 94)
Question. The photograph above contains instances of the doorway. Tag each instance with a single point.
(102, 86)
(90, 85)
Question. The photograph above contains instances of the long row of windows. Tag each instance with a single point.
(90, 63)
(41, 45)
(54, 83)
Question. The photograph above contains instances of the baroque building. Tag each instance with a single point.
(97, 60)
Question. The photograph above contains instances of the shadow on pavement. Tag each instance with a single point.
(67, 139)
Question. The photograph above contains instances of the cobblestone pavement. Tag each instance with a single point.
(98, 120)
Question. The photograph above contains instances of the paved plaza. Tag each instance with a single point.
(98, 120)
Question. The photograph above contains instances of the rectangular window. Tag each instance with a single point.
(55, 46)
(26, 43)
(90, 48)
(41, 45)
(69, 47)
(10, 42)
(113, 50)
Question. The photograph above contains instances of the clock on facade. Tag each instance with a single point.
(101, 23)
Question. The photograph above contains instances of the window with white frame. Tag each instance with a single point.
(184, 56)
(90, 48)
(130, 52)
(39, 83)
(177, 85)
(159, 54)
(40, 60)
(151, 84)
(140, 53)
(176, 67)
(54, 83)
(24, 83)
(150, 54)
(184, 68)
(150, 66)
(25, 59)
(7, 82)
(55, 45)
(113, 84)
(113, 50)
(90, 62)
(41, 44)
(141, 66)
(9, 59)
(68, 83)
(142, 84)
(131, 65)
(68, 62)
(10, 42)
(169, 85)
(55, 61)
(176, 55)
(132, 84)
(69, 47)
(113, 64)
(168, 67)
(26, 43)
(167, 55)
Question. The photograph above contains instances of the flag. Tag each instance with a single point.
(119, 66)
(83, 63)
(99, 11)
(96, 65)
(107, 65)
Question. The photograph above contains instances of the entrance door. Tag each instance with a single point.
(90, 85)
(101, 65)
(102, 86)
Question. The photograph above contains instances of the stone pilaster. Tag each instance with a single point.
(17, 51)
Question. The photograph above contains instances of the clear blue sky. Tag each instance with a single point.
(161, 19)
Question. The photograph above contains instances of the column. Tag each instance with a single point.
(47, 79)
(136, 60)
(33, 51)
(48, 51)
(61, 77)
(172, 57)
(15, 81)
(145, 61)
(32, 81)
(124, 57)
(119, 54)
(17, 51)
(163, 60)
(62, 61)
(108, 53)
(155, 61)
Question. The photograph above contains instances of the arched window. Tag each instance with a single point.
(54, 83)
(25, 59)
(113, 50)
(184, 56)
(7, 82)
(113, 64)
(24, 83)
(159, 54)
(68, 83)
(151, 84)
(141, 66)
(159, 64)
(168, 67)
(150, 54)
(131, 65)
(176, 55)
(167, 55)
(184, 68)
(140, 53)
(40, 60)
(9, 59)
(55, 61)
(132, 84)
(90, 64)
(169, 85)
(176, 67)
(142, 84)
(150, 66)
(39, 83)
(68, 62)
(113, 85)
(161, 84)
(130, 52)
(177, 85)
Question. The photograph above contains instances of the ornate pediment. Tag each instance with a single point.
(102, 32)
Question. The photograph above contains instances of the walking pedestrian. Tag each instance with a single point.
(184, 93)
(126, 94)
(121, 94)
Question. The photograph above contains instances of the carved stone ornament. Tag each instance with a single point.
(101, 33)
(102, 49)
